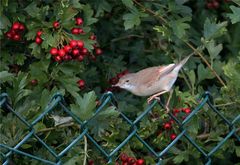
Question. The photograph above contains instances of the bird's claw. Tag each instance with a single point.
(167, 109)
(149, 100)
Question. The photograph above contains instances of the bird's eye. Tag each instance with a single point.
(127, 80)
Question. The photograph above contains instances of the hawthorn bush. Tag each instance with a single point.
(81, 48)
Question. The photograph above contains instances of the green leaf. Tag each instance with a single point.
(102, 6)
(213, 49)
(204, 73)
(131, 20)
(20, 58)
(33, 10)
(4, 22)
(213, 30)
(88, 15)
(5, 76)
(180, 26)
(68, 14)
(103, 121)
(128, 3)
(235, 16)
(85, 106)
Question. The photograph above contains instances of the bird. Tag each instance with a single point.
(153, 81)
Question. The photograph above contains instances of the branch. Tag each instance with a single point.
(187, 43)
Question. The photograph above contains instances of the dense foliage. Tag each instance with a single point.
(81, 48)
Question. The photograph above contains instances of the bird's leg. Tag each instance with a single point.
(168, 101)
(155, 96)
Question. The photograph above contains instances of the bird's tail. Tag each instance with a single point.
(182, 62)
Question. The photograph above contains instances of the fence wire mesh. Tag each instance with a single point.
(58, 100)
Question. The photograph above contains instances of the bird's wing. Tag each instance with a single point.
(150, 75)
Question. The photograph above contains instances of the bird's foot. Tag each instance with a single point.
(149, 100)
(167, 109)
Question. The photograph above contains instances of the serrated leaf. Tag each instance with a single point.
(68, 14)
(88, 15)
(204, 73)
(85, 106)
(103, 120)
(180, 26)
(5, 76)
(128, 3)
(20, 58)
(213, 30)
(235, 16)
(102, 6)
(33, 10)
(131, 20)
(213, 49)
(4, 22)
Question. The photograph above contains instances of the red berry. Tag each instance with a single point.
(167, 126)
(34, 82)
(75, 52)
(56, 24)
(176, 111)
(16, 37)
(92, 57)
(39, 33)
(215, 4)
(80, 44)
(131, 160)
(90, 162)
(38, 40)
(9, 35)
(84, 51)
(173, 136)
(80, 58)
(92, 37)
(113, 80)
(124, 157)
(210, 5)
(80, 30)
(16, 26)
(125, 72)
(140, 162)
(75, 31)
(67, 48)
(98, 51)
(73, 43)
(58, 58)
(61, 52)
(119, 75)
(54, 51)
(187, 110)
(21, 27)
(78, 21)
(81, 83)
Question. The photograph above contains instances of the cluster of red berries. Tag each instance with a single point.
(16, 31)
(75, 48)
(38, 39)
(177, 112)
(128, 160)
(214, 4)
(114, 81)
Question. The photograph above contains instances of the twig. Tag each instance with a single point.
(206, 135)
(187, 43)
(53, 128)
(206, 62)
(126, 37)
(226, 104)
(85, 151)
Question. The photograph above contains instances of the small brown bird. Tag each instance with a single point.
(153, 81)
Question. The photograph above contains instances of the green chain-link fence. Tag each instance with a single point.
(58, 100)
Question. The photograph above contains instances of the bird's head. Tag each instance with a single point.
(126, 82)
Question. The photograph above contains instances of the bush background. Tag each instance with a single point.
(133, 35)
